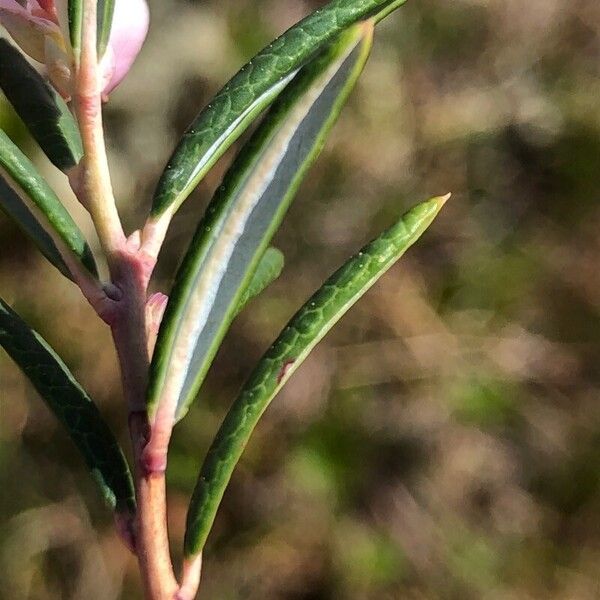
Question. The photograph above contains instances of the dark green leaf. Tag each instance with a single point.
(29, 200)
(251, 91)
(306, 329)
(72, 406)
(241, 220)
(40, 107)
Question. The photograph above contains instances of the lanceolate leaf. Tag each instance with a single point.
(302, 334)
(268, 270)
(251, 91)
(105, 16)
(75, 16)
(28, 199)
(40, 107)
(72, 406)
(241, 220)
(105, 12)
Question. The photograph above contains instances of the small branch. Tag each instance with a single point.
(94, 187)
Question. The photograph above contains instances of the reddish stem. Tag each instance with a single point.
(152, 542)
(132, 271)
(123, 306)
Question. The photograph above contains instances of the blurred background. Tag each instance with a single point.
(443, 442)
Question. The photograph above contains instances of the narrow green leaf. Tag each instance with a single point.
(241, 220)
(75, 16)
(28, 199)
(72, 406)
(254, 87)
(306, 329)
(40, 107)
(106, 9)
(268, 270)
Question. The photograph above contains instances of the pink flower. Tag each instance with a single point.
(40, 28)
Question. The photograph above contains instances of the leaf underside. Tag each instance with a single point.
(40, 107)
(72, 406)
(33, 205)
(249, 92)
(296, 341)
(242, 218)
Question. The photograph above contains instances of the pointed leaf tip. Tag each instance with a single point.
(306, 329)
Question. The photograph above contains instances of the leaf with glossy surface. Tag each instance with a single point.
(31, 203)
(72, 406)
(306, 329)
(40, 107)
(254, 87)
(268, 270)
(241, 220)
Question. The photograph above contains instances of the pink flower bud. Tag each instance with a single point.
(130, 26)
(39, 27)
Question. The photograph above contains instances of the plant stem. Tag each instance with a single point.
(130, 269)
(95, 182)
(129, 332)
(152, 544)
